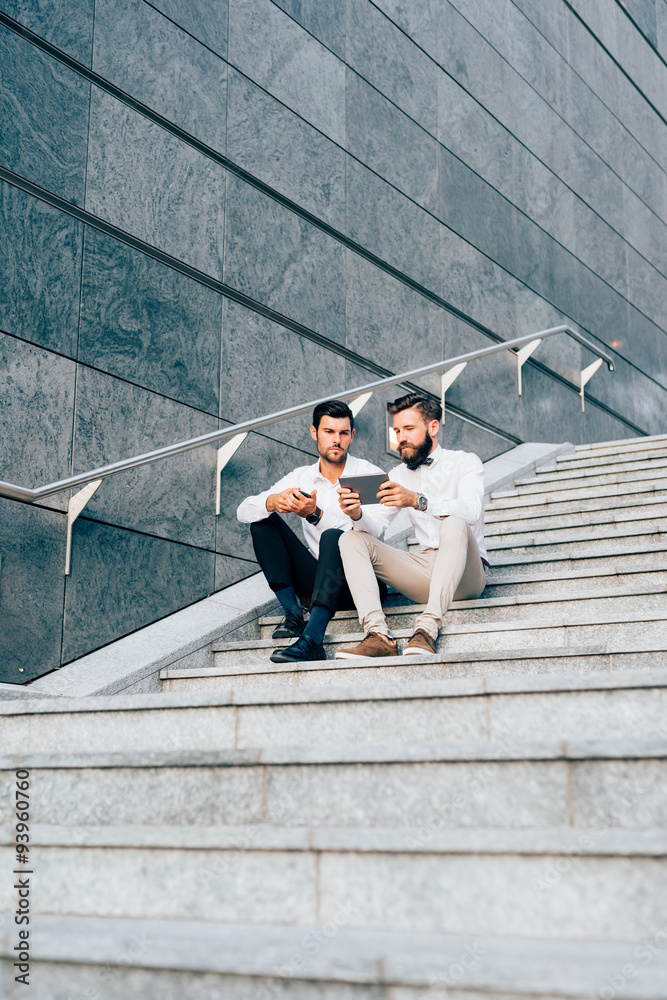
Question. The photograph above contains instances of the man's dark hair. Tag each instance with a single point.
(429, 407)
(332, 408)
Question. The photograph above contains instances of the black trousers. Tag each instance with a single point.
(286, 562)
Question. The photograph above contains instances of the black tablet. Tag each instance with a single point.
(366, 486)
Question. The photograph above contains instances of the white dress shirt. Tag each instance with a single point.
(309, 478)
(453, 484)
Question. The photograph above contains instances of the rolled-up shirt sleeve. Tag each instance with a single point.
(254, 508)
(469, 503)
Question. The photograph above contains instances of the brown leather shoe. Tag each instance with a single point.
(420, 643)
(374, 644)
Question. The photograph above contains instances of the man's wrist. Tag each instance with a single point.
(415, 501)
(315, 517)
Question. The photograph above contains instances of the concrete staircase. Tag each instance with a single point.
(487, 822)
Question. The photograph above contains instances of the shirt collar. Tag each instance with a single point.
(318, 473)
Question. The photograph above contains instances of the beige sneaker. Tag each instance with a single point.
(421, 643)
(374, 644)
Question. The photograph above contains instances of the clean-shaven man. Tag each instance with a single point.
(311, 576)
(443, 493)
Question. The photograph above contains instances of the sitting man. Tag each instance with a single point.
(295, 574)
(443, 493)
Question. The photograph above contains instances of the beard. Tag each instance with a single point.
(414, 456)
(334, 456)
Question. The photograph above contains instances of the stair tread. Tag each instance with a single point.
(510, 600)
(638, 842)
(452, 687)
(541, 967)
(481, 749)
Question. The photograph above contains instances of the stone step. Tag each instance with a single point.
(627, 600)
(453, 784)
(83, 957)
(547, 520)
(578, 537)
(398, 669)
(521, 707)
(512, 501)
(574, 628)
(601, 460)
(572, 582)
(618, 557)
(623, 444)
(593, 468)
(564, 484)
(401, 879)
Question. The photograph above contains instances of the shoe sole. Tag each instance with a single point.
(362, 656)
(418, 652)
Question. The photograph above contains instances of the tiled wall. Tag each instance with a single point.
(365, 174)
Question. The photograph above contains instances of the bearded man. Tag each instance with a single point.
(443, 493)
(311, 576)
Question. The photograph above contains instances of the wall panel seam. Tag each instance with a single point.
(240, 297)
(312, 219)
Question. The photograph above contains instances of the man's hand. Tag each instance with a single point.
(292, 501)
(395, 495)
(350, 503)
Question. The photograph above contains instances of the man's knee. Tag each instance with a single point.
(453, 528)
(353, 541)
(258, 528)
(329, 541)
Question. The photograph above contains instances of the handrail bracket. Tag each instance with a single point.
(75, 505)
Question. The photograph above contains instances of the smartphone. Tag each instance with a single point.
(304, 494)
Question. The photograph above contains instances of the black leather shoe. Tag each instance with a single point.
(302, 649)
(290, 627)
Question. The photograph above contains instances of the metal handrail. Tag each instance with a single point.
(15, 492)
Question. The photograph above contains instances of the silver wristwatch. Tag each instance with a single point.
(422, 502)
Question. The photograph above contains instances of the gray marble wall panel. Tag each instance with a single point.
(205, 20)
(149, 324)
(278, 147)
(35, 413)
(40, 271)
(386, 222)
(475, 210)
(32, 589)
(381, 53)
(644, 14)
(390, 143)
(172, 499)
(148, 56)
(67, 24)
(389, 321)
(283, 261)
(477, 286)
(229, 571)
(123, 580)
(44, 110)
(419, 20)
(279, 55)
(266, 368)
(146, 182)
(325, 21)
(608, 22)
(571, 39)
(257, 465)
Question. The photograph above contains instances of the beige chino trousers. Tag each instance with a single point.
(434, 577)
